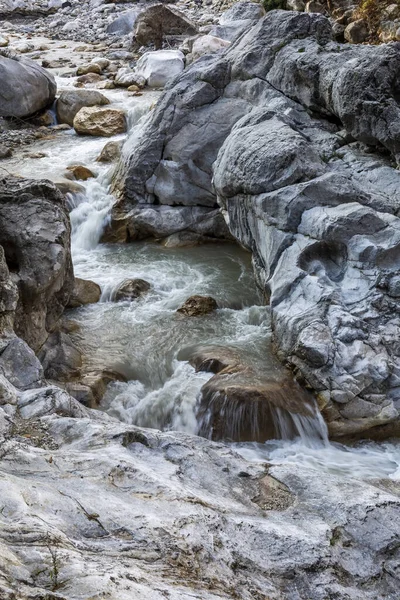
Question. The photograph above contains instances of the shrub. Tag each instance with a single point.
(274, 4)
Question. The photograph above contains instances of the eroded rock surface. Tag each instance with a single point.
(280, 130)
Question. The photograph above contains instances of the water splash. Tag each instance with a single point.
(170, 407)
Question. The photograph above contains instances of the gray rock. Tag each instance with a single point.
(19, 365)
(37, 256)
(26, 88)
(131, 289)
(295, 529)
(60, 358)
(123, 25)
(237, 20)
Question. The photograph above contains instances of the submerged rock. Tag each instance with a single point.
(196, 306)
(130, 289)
(246, 400)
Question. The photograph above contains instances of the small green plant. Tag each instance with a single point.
(274, 4)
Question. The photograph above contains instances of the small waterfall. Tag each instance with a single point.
(235, 419)
(90, 212)
(311, 429)
(91, 215)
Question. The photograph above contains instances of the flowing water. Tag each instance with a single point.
(148, 343)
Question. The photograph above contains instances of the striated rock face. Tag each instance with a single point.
(25, 87)
(277, 130)
(92, 507)
(38, 256)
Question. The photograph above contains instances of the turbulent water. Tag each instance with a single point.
(149, 343)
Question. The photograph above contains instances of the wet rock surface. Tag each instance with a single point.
(130, 289)
(196, 306)
(84, 292)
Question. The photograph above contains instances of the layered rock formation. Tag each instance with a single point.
(280, 130)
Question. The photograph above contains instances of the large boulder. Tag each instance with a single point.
(160, 21)
(37, 256)
(160, 66)
(123, 24)
(70, 103)
(26, 88)
(100, 121)
(276, 131)
(247, 399)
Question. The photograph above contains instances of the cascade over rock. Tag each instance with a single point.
(279, 131)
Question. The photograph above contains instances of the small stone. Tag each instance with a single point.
(315, 7)
(5, 151)
(80, 172)
(89, 68)
(110, 152)
(356, 32)
(133, 88)
(89, 78)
